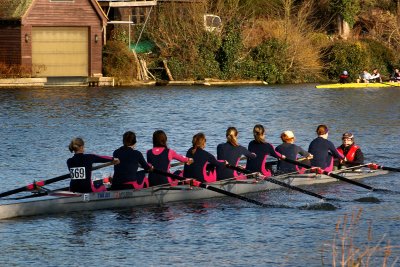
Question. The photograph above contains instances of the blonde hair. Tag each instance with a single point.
(258, 132)
(76, 144)
(198, 141)
(231, 136)
(285, 138)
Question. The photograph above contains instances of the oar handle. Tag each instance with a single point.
(66, 176)
(374, 166)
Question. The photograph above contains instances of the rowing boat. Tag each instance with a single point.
(63, 201)
(358, 85)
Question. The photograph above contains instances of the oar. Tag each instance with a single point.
(283, 184)
(374, 166)
(336, 176)
(323, 206)
(213, 188)
(40, 194)
(46, 182)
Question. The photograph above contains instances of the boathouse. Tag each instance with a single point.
(54, 38)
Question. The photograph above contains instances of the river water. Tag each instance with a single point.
(37, 125)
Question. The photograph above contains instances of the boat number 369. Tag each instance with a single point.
(78, 173)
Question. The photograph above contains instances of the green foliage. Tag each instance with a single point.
(348, 9)
(356, 56)
(180, 69)
(381, 56)
(230, 50)
(118, 61)
(207, 66)
(345, 55)
(269, 60)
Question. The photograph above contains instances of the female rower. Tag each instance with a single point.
(323, 150)
(231, 152)
(262, 149)
(160, 157)
(126, 175)
(203, 161)
(291, 151)
(80, 168)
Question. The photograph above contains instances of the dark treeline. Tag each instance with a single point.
(278, 41)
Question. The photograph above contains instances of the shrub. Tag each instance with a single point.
(15, 71)
(345, 55)
(229, 52)
(207, 66)
(356, 56)
(118, 61)
(381, 56)
(269, 61)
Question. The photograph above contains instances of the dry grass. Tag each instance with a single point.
(293, 28)
(15, 71)
(346, 251)
(381, 25)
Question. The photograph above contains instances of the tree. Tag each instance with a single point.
(346, 12)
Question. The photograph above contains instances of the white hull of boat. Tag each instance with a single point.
(64, 202)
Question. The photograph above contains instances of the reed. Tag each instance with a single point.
(350, 249)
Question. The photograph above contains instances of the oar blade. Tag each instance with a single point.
(390, 169)
(319, 206)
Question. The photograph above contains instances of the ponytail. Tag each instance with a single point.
(76, 144)
(198, 141)
(258, 132)
(231, 136)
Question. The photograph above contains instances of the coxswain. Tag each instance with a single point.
(126, 174)
(160, 157)
(262, 149)
(352, 153)
(80, 168)
(204, 163)
(323, 150)
(291, 151)
(231, 152)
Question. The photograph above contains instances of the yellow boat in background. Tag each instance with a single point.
(359, 85)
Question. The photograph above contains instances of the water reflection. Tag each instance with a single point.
(80, 227)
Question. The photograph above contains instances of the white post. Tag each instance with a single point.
(129, 33)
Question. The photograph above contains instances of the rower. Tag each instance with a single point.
(352, 153)
(344, 77)
(80, 168)
(231, 152)
(323, 150)
(126, 175)
(203, 167)
(291, 151)
(160, 157)
(262, 149)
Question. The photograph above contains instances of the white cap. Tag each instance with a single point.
(289, 134)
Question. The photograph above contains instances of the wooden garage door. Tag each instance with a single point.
(63, 51)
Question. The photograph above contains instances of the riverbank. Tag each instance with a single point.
(110, 82)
